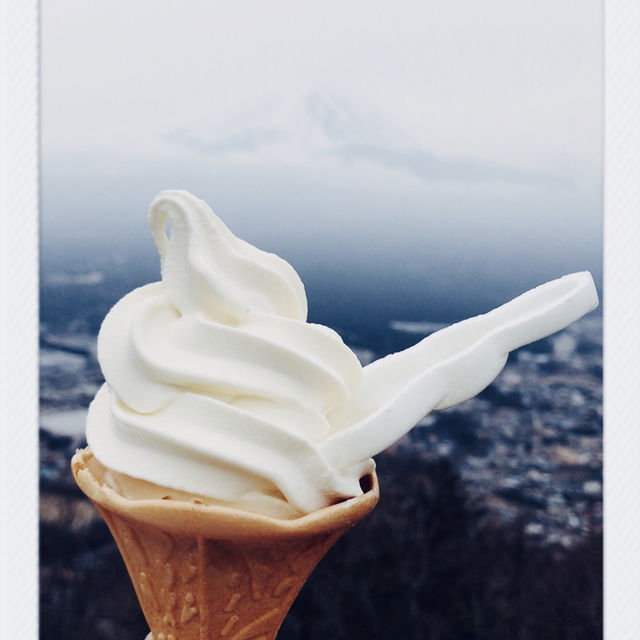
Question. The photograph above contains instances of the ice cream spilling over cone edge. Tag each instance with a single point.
(217, 386)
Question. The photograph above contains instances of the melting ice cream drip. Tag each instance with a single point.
(216, 385)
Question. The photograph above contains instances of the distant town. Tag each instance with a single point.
(529, 446)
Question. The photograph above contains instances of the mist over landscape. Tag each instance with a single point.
(358, 277)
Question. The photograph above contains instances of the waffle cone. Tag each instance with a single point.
(209, 572)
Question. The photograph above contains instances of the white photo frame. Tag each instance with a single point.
(19, 33)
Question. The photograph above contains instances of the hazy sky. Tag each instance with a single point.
(476, 123)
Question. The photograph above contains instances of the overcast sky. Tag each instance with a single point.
(458, 119)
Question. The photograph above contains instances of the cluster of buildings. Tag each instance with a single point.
(528, 447)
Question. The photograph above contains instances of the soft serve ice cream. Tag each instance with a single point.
(217, 386)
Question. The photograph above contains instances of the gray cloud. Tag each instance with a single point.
(248, 140)
(428, 166)
(338, 120)
(350, 135)
(359, 138)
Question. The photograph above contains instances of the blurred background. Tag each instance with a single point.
(417, 164)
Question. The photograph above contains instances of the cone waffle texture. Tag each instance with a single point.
(214, 573)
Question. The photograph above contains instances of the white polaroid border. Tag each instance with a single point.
(19, 31)
(621, 293)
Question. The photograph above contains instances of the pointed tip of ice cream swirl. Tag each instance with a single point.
(206, 269)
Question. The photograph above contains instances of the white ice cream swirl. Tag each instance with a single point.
(217, 386)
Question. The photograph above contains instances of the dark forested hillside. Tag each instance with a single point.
(429, 563)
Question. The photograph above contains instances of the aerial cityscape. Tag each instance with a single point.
(531, 443)
(497, 500)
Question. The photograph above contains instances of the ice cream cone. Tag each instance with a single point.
(204, 572)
